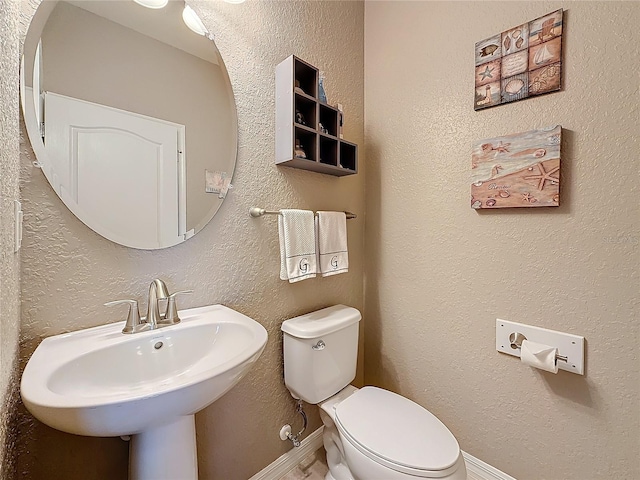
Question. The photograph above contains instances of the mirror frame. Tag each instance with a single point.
(32, 38)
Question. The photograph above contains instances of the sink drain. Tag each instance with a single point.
(158, 345)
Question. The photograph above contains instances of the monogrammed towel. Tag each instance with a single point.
(332, 243)
(296, 229)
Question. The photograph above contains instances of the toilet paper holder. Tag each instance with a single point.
(571, 348)
(517, 338)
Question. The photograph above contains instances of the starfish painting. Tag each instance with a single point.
(518, 170)
(486, 73)
(544, 176)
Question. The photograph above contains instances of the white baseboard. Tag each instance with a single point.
(476, 468)
(287, 462)
(479, 470)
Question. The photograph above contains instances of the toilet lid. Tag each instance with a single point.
(397, 430)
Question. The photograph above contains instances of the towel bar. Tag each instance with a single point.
(258, 212)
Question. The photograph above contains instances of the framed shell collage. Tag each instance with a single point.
(518, 63)
(519, 170)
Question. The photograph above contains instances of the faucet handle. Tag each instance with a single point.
(171, 315)
(134, 324)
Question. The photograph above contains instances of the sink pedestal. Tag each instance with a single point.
(167, 452)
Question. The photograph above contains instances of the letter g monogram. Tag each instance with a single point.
(304, 265)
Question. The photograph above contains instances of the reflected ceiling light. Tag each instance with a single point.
(192, 20)
(152, 3)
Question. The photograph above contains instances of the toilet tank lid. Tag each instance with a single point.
(321, 322)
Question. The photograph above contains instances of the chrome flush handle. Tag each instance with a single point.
(319, 346)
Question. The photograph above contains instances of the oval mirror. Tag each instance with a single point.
(131, 116)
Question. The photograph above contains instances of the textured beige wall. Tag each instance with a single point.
(440, 273)
(68, 271)
(9, 261)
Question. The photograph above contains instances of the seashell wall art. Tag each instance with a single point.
(519, 63)
(519, 170)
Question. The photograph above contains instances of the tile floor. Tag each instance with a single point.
(314, 467)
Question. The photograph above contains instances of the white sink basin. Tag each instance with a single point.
(101, 382)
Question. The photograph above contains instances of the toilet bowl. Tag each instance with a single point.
(369, 433)
(375, 434)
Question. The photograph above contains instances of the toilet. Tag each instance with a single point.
(369, 433)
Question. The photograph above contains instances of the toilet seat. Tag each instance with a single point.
(397, 433)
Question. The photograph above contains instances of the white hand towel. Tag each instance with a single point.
(296, 229)
(332, 243)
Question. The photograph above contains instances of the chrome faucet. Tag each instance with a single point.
(157, 291)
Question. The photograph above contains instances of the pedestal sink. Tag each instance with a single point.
(101, 382)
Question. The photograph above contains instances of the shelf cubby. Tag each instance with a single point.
(305, 111)
(306, 76)
(329, 119)
(348, 155)
(328, 150)
(308, 141)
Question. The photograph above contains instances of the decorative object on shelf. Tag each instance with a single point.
(299, 151)
(519, 170)
(519, 63)
(340, 119)
(322, 95)
(300, 118)
(307, 129)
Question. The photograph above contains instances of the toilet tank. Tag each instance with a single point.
(320, 352)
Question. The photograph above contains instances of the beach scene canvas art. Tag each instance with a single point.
(519, 63)
(518, 170)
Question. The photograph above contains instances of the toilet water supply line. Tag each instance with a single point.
(285, 432)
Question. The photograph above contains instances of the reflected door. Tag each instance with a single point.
(91, 145)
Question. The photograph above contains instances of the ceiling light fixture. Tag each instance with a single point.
(155, 4)
(234, 1)
(192, 21)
